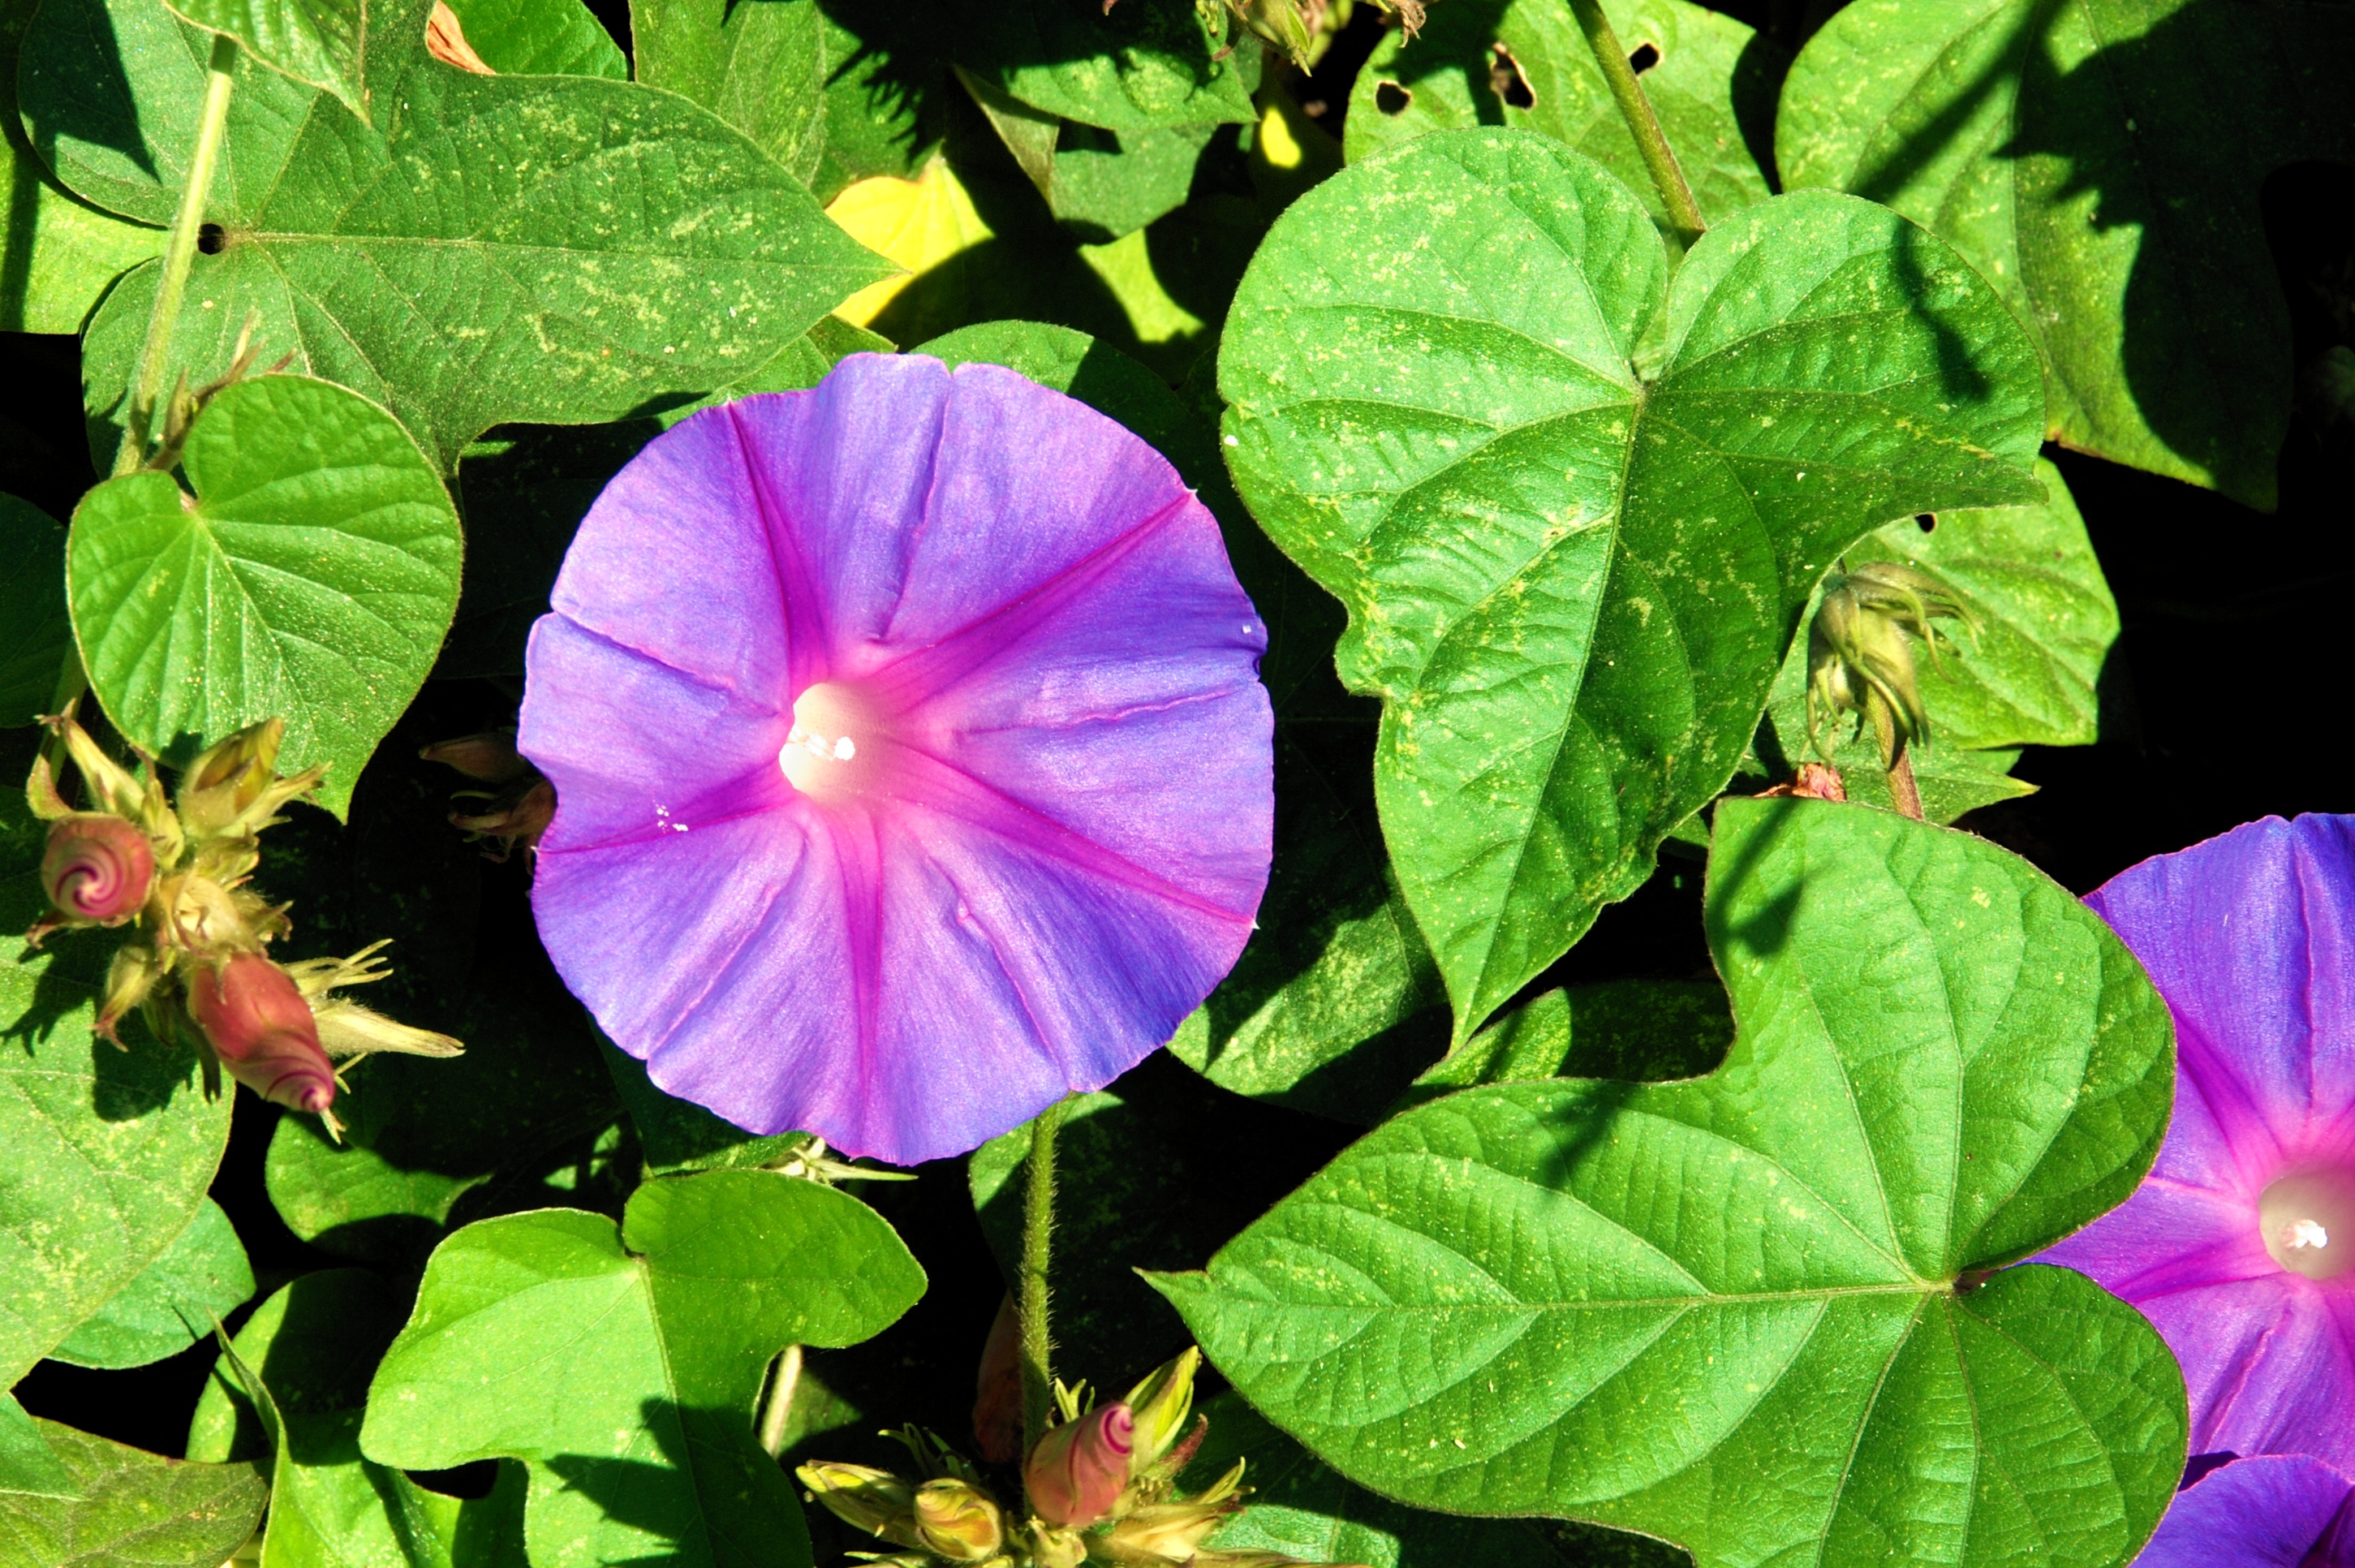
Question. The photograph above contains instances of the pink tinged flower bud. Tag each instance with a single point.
(257, 1022)
(97, 867)
(997, 1390)
(1080, 1469)
(958, 1520)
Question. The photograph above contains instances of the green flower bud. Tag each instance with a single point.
(1160, 1406)
(958, 1520)
(1052, 1548)
(1860, 649)
(873, 1500)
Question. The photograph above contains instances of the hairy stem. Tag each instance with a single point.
(1038, 1229)
(1659, 158)
(179, 255)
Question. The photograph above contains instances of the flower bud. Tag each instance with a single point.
(490, 756)
(1160, 1405)
(130, 977)
(875, 1501)
(958, 1520)
(232, 790)
(257, 1022)
(1861, 654)
(997, 1390)
(97, 868)
(1080, 1469)
(445, 40)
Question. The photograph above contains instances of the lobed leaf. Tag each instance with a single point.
(622, 1364)
(1574, 508)
(1621, 1303)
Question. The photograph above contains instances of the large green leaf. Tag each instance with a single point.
(1143, 66)
(292, 1389)
(104, 1153)
(552, 249)
(541, 37)
(1750, 1313)
(1525, 63)
(134, 1509)
(58, 254)
(200, 1279)
(623, 1365)
(1575, 509)
(35, 634)
(2101, 161)
(311, 578)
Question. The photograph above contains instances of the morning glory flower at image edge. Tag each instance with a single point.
(2239, 1245)
(911, 763)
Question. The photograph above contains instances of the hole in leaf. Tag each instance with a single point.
(1511, 83)
(1643, 58)
(209, 236)
(1390, 97)
(1927, 522)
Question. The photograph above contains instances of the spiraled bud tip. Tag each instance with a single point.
(97, 867)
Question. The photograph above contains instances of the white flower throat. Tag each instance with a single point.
(2308, 1223)
(823, 754)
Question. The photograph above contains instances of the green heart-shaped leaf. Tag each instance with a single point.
(1525, 63)
(311, 578)
(1576, 509)
(1749, 1313)
(624, 1364)
(560, 249)
(2101, 161)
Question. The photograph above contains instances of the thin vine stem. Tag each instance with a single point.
(163, 321)
(1659, 158)
(179, 256)
(1037, 1247)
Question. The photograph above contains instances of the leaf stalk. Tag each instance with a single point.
(179, 257)
(1659, 158)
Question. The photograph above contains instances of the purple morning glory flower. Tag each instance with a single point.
(911, 763)
(2238, 1247)
(2284, 1510)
